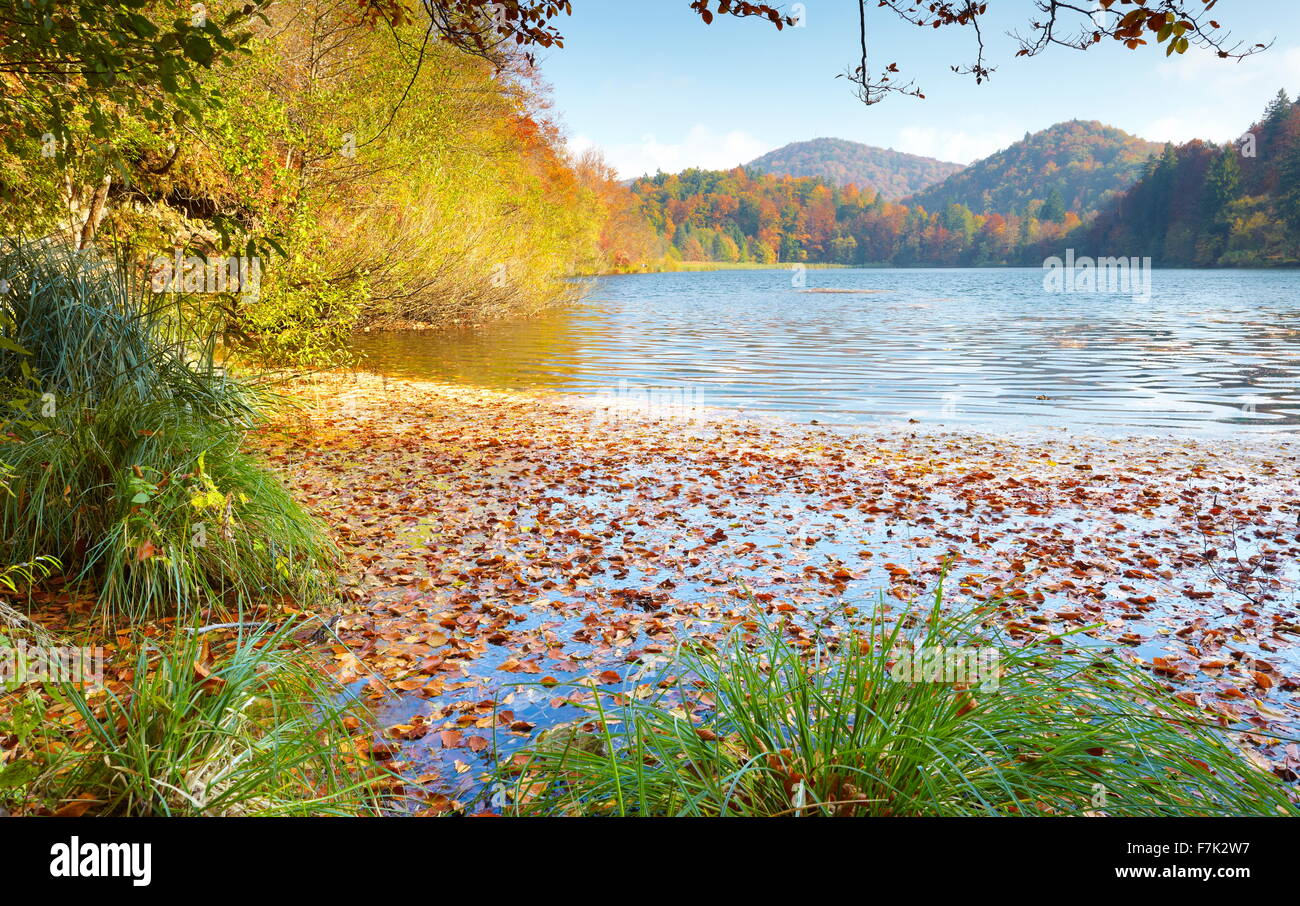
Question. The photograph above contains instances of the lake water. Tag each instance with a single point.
(1212, 352)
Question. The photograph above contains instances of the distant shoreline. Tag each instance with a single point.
(700, 266)
(706, 266)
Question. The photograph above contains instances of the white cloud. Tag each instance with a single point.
(956, 146)
(700, 147)
(1212, 128)
(1225, 96)
(1277, 66)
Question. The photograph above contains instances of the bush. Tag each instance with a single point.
(776, 722)
(125, 461)
(256, 729)
(303, 314)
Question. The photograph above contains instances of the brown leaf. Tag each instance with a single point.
(203, 669)
(77, 807)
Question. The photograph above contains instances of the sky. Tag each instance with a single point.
(655, 89)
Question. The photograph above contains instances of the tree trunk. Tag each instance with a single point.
(96, 213)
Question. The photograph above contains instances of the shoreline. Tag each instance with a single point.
(1256, 441)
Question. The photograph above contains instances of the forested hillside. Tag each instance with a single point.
(1073, 166)
(892, 174)
(1204, 205)
(1195, 205)
(742, 216)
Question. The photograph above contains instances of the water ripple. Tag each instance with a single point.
(1210, 351)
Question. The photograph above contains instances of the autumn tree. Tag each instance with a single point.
(99, 89)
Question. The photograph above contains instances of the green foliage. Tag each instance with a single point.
(1201, 204)
(254, 728)
(775, 721)
(1086, 163)
(1053, 208)
(103, 63)
(132, 472)
(97, 96)
(23, 721)
(300, 316)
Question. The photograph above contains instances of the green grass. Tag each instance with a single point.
(255, 729)
(772, 723)
(124, 449)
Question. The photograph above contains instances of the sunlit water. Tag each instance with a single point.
(1209, 352)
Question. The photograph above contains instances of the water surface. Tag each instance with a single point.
(1213, 352)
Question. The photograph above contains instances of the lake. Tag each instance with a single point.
(1209, 352)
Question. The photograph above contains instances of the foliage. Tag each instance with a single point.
(131, 471)
(890, 174)
(66, 59)
(1200, 204)
(94, 93)
(428, 185)
(762, 726)
(250, 728)
(743, 216)
(1086, 163)
(1077, 185)
(304, 311)
(379, 178)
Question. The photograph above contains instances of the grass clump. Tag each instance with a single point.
(776, 721)
(249, 728)
(124, 447)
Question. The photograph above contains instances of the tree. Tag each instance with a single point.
(1273, 126)
(89, 83)
(1222, 188)
(1053, 208)
(1289, 202)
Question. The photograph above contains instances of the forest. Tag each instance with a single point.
(381, 178)
(1076, 185)
(1203, 205)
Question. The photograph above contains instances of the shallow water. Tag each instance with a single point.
(1210, 352)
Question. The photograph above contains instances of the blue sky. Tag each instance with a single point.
(660, 90)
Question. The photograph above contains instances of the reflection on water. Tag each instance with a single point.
(1209, 351)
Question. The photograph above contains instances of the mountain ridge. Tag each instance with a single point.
(892, 174)
(1084, 163)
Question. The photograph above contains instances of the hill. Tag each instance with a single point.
(893, 174)
(1077, 166)
(1207, 205)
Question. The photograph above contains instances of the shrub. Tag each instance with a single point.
(255, 729)
(126, 461)
(773, 722)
